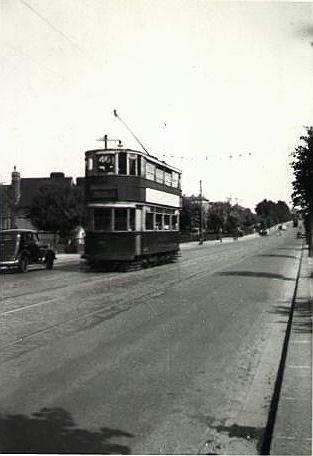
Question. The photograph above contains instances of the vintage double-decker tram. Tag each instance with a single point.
(132, 202)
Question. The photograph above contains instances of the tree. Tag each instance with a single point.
(270, 213)
(222, 215)
(190, 217)
(248, 219)
(187, 214)
(283, 212)
(217, 215)
(57, 207)
(302, 195)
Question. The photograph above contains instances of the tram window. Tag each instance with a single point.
(90, 164)
(142, 166)
(175, 179)
(158, 221)
(150, 170)
(139, 165)
(132, 219)
(120, 220)
(149, 221)
(102, 219)
(167, 178)
(159, 175)
(132, 163)
(174, 222)
(167, 225)
(122, 163)
(106, 163)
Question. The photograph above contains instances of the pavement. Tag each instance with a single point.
(67, 258)
(292, 432)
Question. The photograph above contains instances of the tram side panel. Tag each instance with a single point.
(129, 246)
(110, 246)
(159, 242)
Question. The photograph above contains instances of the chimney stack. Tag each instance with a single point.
(16, 185)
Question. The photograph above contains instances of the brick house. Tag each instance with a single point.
(16, 198)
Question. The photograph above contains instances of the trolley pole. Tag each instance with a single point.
(200, 218)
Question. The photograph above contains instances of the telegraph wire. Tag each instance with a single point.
(27, 56)
(86, 55)
(207, 158)
(55, 29)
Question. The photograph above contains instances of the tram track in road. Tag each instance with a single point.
(183, 261)
(97, 316)
(114, 279)
(114, 304)
(54, 288)
(214, 251)
(121, 278)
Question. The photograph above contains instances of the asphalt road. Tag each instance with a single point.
(179, 358)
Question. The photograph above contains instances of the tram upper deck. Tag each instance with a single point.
(129, 175)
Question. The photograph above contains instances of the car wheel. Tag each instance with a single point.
(24, 262)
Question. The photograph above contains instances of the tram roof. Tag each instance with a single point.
(139, 152)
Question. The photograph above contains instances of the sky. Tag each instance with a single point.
(221, 90)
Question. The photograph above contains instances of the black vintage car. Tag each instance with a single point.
(20, 248)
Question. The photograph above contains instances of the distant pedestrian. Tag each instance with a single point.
(235, 234)
(220, 235)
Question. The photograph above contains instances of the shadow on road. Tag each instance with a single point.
(278, 256)
(281, 310)
(293, 249)
(302, 315)
(233, 431)
(266, 275)
(69, 267)
(54, 431)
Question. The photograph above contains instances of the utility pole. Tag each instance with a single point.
(200, 218)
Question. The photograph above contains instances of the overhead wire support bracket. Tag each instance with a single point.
(105, 139)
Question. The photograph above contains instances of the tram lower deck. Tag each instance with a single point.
(123, 251)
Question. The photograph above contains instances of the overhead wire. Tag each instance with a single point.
(23, 54)
(83, 52)
(58, 31)
(208, 158)
(74, 44)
